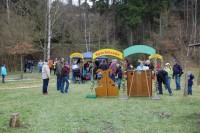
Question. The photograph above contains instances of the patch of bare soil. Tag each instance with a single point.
(163, 115)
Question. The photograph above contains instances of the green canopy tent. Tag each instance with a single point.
(139, 49)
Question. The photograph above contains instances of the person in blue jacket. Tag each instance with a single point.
(177, 73)
(3, 73)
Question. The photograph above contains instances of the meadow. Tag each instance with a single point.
(74, 113)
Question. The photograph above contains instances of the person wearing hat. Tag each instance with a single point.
(169, 71)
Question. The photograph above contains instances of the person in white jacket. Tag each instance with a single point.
(45, 77)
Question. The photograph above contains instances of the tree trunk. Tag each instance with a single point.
(160, 24)
(86, 42)
(8, 10)
(45, 35)
(131, 38)
(70, 2)
(49, 30)
(195, 21)
(15, 120)
(89, 42)
(22, 76)
(107, 32)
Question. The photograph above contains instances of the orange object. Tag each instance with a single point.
(106, 86)
(139, 83)
(50, 64)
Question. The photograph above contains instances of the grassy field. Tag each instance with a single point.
(73, 113)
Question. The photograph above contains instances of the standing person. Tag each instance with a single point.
(25, 66)
(50, 64)
(177, 72)
(190, 83)
(119, 74)
(54, 66)
(169, 71)
(31, 66)
(149, 64)
(65, 78)
(95, 68)
(162, 77)
(40, 63)
(58, 74)
(103, 66)
(74, 67)
(113, 67)
(3, 73)
(45, 77)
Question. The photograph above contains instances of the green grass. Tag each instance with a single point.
(73, 113)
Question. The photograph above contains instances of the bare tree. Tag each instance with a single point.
(8, 10)
(49, 29)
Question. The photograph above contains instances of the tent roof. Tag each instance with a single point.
(139, 49)
(87, 55)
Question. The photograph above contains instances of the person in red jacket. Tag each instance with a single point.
(65, 78)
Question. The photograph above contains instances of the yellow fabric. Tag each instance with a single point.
(76, 55)
(108, 52)
(156, 56)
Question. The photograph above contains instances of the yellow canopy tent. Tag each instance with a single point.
(76, 55)
(156, 56)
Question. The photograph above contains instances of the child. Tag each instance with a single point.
(190, 83)
(3, 73)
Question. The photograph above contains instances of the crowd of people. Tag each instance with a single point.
(28, 66)
(62, 70)
(166, 74)
(82, 71)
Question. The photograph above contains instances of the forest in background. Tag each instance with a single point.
(25, 32)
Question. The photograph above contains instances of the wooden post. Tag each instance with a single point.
(186, 85)
(14, 120)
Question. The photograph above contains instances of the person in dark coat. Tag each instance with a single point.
(119, 74)
(65, 78)
(103, 66)
(162, 77)
(59, 66)
(177, 72)
(190, 83)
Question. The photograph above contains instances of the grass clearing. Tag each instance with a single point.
(73, 113)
